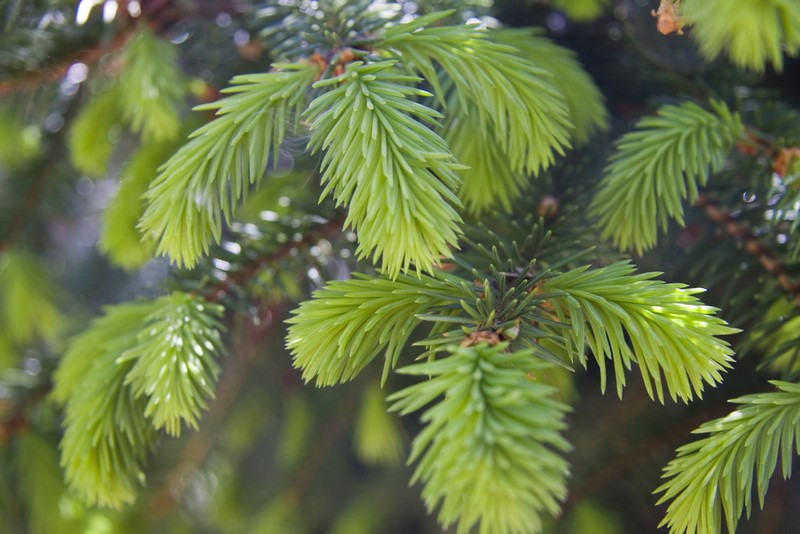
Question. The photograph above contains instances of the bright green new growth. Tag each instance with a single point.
(107, 435)
(396, 175)
(491, 450)
(658, 166)
(508, 102)
(378, 437)
(347, 323)
(18, 142)
(146, 96)
(490, 178)
(627, 317)
(153, 359)
(42, 485)
(120, 238)
(27, 309)
(489, 182)
(115, 331)
(211, 173)
(151, 87)
(515, 100)
(715, 476)
(752, 32)
(582, 10)
(584, 100)
(90, 137)
(174, 361)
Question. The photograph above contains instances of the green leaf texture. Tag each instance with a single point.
(491, 451)
(714, 477)
(204, 181)
(515, 100)
(347, 323)
(175, 364)
(151, 87)
(627, 318)
(753, 33)
(658, 166)
(396, 176)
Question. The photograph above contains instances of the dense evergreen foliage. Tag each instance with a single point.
(253, 254)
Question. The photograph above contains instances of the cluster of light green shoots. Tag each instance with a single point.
(420, 124)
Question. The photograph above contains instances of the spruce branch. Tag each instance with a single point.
(714, 477)
(151, 87)
(751, 244)
(752, 34)
(489, 182)
(28, 310)
(151, 359)
(107, 435)
(587, 111)
(491, 450)
(174, 360)
(89, 138)
(663, 162)
(115, 331)
(396, 176)
(627, 318)
(774, 338)
(514, 98)
(347, 323)
(202, 183)
(249, 336)
(582, 10)
(120, 238)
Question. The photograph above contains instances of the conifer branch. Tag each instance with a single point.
(120, 238)
(514, 98)
(249, 336)
(90, 143)
(583, 98)
(152, 359)
(107, 436)
(347, 323)
(174, 360)
(27, 299)
(396, 176)
(751, 33)
(491, 450)
(714, 477)
(151, 87)
(751, 244)
(489, 182)
(659, 165)
(204, 181)
(627, 317)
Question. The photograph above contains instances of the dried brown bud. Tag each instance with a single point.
(547, 208)
(669, 20)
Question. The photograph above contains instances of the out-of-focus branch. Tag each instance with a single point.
(88, 57)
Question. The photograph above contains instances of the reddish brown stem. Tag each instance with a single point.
(734, 229)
